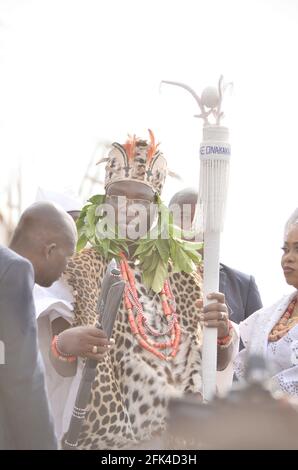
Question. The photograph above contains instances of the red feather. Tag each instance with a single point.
(152, 146)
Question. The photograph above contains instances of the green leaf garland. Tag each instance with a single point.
(155, 251)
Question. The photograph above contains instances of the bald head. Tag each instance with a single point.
(44, 222)
(185, 196)
(183, 207)
(46, 235)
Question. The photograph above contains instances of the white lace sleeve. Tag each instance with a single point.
(239, 364)
(288, 380)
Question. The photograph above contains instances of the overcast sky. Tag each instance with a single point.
(75, 72)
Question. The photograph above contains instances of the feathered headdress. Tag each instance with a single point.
(136, 160)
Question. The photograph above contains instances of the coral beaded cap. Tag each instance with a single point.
(136, 160)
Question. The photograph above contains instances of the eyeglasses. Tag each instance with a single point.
(123, 201)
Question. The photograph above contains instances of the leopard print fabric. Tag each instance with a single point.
(132, 388)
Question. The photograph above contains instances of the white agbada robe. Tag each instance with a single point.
(281, 356)
(51, 303)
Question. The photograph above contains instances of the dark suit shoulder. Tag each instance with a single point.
(12, 263)
(241, 291)
(240, 276)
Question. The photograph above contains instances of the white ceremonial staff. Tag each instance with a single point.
(214, 172)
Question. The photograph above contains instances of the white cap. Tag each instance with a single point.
(66, 199)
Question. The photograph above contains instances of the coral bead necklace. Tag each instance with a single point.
(286, 322)
(139, 324)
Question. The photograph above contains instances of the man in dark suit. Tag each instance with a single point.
(241, 292)
(43, 240)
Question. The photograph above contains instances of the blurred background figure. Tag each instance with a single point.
(250, 417)
(67, 199)
(10, 206)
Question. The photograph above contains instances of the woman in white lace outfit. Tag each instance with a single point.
(273, 332)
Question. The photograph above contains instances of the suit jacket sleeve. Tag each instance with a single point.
(254, 301)
(22, 386)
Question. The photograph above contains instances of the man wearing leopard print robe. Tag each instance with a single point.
(133, 385)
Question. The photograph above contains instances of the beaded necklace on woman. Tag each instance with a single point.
(288, 320)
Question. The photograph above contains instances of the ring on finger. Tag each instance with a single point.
(223, 316)
(94, 349)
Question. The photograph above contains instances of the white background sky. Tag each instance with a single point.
(73, 72)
